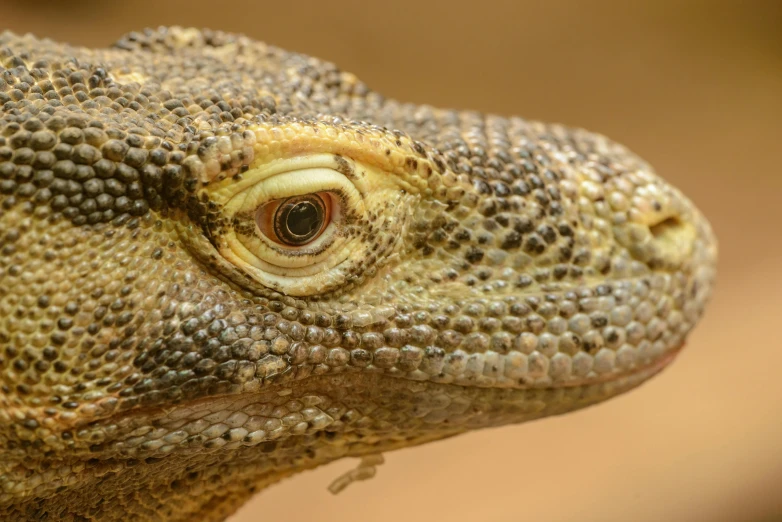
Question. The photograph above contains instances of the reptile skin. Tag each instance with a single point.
(163, 358)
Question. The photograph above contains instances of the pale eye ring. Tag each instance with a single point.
(295, 221)
(294, 224)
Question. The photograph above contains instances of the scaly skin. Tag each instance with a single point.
(162, 359)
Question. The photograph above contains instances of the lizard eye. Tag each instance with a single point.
(305, 225)
(295, 221)
(292, 225)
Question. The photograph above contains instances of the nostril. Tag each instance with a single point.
(672, 240)
(663, 242)
(666, 228)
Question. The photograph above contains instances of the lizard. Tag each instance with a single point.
(224, 263)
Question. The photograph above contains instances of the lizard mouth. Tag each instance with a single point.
(645, 371)
(496, 374)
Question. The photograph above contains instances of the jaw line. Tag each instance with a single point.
(646, 370)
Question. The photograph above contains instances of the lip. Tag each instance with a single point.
(645, 371)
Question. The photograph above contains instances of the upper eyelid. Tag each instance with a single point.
(295, 183)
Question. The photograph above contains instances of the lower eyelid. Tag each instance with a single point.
(306, 250)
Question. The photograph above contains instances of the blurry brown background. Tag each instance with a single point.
(696, 88)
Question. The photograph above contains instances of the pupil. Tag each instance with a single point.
(303, 219)
(299, 219)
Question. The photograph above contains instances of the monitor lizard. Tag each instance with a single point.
(224, 263)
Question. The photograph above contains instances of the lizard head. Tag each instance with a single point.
(223, 262)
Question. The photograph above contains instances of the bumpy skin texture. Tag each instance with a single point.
(158, 361)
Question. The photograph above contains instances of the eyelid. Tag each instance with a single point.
(295, 183)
